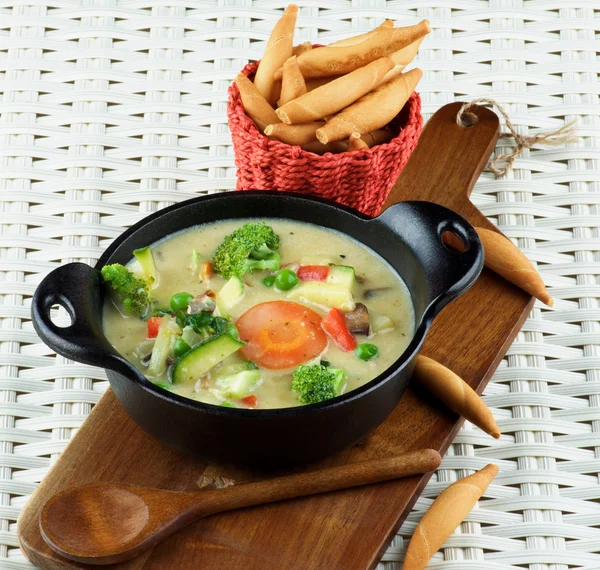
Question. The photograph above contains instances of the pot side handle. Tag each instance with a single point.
(449, 246)
(78, 288)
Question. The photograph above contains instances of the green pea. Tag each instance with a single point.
(286, 279)
(180, 347)
(180, 301)
(366, 351)
(268, 281)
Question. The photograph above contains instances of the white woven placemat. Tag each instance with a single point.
(113, 109)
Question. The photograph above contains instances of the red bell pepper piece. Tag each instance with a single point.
(153, 324)
(334, 324)
(251, 401)
(313, 272)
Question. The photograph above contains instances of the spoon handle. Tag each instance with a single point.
(315, 482)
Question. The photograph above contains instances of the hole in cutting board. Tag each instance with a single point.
(468, 119)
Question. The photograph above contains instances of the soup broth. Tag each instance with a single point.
(302, 248)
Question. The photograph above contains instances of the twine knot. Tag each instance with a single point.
(501, 164)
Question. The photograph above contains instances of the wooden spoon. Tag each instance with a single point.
(105, 523)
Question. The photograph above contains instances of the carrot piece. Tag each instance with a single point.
(313, 272)
(334, 325)
(153, 324)
(251, 401)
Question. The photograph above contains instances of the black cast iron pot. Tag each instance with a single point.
(407, 235)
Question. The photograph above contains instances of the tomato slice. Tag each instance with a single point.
(335, 326)
(313, 272)
(281, 334)
(153, 324)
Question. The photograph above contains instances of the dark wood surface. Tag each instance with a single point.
(345, 530)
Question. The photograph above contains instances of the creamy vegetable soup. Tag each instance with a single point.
(258, 314)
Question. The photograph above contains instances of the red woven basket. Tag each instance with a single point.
(361, 179)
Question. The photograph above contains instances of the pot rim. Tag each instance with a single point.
(268, 413)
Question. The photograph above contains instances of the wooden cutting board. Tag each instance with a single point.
(346, 530)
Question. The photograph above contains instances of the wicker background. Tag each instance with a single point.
(114, 109)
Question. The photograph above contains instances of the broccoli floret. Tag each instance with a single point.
(318, 383)
(132, 293)
(251, 247)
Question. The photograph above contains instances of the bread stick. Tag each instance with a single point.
(455, 394)
(301, 48)
(361, 37)
(292, 82)
(373, 111)
(405, 55)
(507, 260)
(444, 515)
(356, 143)
(332, 97)
(277, 52)
(321, 62)
(294, 134)
(255, 105)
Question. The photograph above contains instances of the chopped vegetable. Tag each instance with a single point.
(129, 291)
(197, 362)
(357, 321)
(342, 275)
(251, 401)
(286, 279)
(366, 351)
(313, 272)
(180, 301)
(232, 331)
(227, 405)
(195, 262)
(190, 336)
(239, 385)
(251, 247)
(204, 324)
(334, 325)
(162, 385)
(167, 331)
(269, 280)
(202, 303)
(231, 369)
(381, 324)
(153, 324)
(324, 294)
(317, 383)
(146, 261)
(280, 334)
(230, 294)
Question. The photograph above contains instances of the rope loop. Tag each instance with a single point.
(501, 164)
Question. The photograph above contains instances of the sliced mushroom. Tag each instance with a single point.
(370, 293)
(357, 320)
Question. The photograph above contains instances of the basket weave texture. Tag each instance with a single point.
(361, 179)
